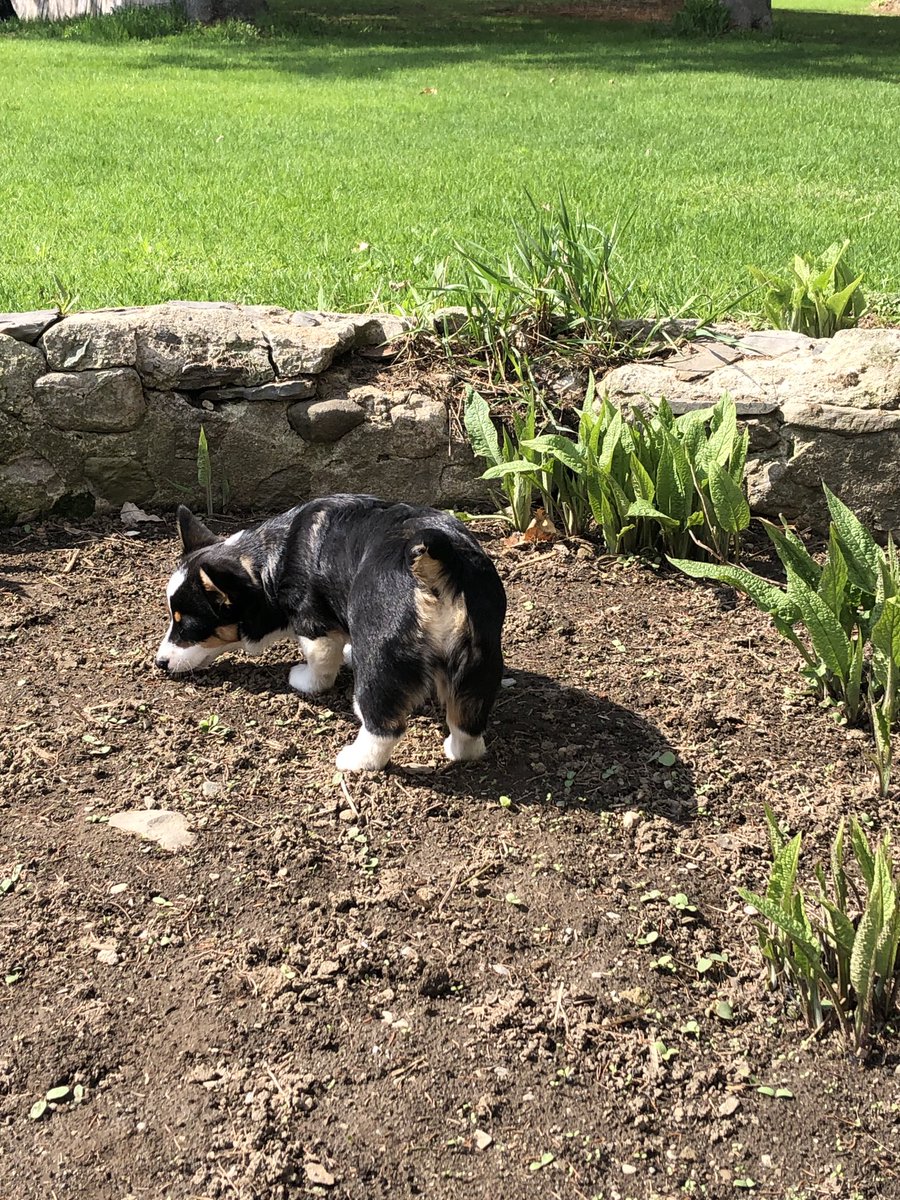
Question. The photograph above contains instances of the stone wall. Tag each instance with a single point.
(99, 408)
(824, 409)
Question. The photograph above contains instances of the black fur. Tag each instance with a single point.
(410, 587)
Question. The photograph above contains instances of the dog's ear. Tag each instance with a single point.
(193, 533)
(227, 580)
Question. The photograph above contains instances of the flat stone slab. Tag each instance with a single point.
(28, 326)
(857, 368)
(289, 389)
(160, 825)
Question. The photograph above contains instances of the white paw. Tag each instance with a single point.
(367, 753)
(303, 678)
(347, 654)
(459, 747)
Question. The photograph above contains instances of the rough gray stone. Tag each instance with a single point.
(325, 420)
(28, 326)
(93, 401)
(20, 366)
(116, 479)
(419, 427)
(857, 368)
(288, 389)
(93, 341)
(29, 487)
(306, 349)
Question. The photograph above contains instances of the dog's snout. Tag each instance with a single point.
(162, 663)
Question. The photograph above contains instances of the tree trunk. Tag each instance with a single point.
(209, 11)
(750, 14)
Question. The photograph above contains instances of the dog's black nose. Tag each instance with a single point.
(163, 664)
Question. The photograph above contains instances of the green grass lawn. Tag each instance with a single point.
(255, 169)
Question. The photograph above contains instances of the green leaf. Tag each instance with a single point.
(788, 924)
(833, 580)
(886, 630)
(829, 641)
(865, 947)
(784, 871)
(729, 503)
(561, 448)
(204, 468)
(862, 852)
(793, 554)
(641, 508)
(516, 467)
(721, 443)
(765, 595)
(670, 497)
(859, 547)
(480, 427)
(38, 1110)
(641, 481)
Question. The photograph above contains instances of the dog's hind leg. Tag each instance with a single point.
(323, 656)
(469, 696)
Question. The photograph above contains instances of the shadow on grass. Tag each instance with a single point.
(358, 40)
(612, 758)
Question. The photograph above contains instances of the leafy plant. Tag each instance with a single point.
(848, 614)
(819, 296)
(558, 281)
(703, 18)
(835, 950)
(204, 470)
(653, 482)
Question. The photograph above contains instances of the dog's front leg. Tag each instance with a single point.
(323, 656)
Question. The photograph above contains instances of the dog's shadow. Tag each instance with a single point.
(547, 744)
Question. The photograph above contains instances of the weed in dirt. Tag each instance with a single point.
(835, 951)
(819, 297)
(848, 610)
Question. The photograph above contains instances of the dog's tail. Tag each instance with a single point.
(451, 564)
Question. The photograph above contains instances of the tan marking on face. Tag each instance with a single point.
(176, 617)
(213, 588)
(225, 635)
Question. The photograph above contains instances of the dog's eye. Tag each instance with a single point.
(176, 617)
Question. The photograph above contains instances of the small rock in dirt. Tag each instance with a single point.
(118, 888)
(326, 969)
(629, 1169)
(435, 983)
(729, 1106)
(483, 1139)
(210, 789)
(631, 819)
(318, 1175)
(108, 957)
(132, 516)
(160, 825)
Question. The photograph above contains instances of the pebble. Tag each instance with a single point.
(483, 1139)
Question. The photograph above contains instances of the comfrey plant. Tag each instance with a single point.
(819, 297)
(842, 616)
(834, 949)
(649, 482)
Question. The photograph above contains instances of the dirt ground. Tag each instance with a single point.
(445, 981)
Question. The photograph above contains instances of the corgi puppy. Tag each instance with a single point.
(409, 588)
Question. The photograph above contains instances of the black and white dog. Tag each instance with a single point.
(409, 588)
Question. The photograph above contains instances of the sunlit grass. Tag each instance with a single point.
(347, 150)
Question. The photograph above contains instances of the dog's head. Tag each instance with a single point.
(210, 596)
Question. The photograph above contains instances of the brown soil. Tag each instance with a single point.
(406, 985)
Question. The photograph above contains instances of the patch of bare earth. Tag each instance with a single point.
(444, 981)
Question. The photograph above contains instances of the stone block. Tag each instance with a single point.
(106, 401)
